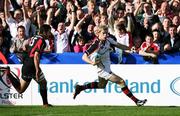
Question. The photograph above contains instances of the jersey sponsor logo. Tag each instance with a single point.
(175, 86)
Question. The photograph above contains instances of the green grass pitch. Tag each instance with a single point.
(89, 111)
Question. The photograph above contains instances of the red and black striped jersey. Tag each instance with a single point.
(93, 47)
(36, 44)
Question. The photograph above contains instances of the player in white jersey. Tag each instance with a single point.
(102, 47)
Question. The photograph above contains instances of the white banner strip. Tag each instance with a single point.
(160, 84)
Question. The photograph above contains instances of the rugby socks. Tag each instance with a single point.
(129, 93)
(43, 93)
(92, 85)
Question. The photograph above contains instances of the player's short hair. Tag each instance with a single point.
(102, 28)
(44, 29)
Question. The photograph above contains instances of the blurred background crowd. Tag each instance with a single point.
(148, 27)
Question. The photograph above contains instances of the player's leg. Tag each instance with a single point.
(43, 89)
(43, 92)
(118, 80)
(93, 85)
(19, 84)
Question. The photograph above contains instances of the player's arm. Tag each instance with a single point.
(87, 59)
(121, 46)
(36, 63)
(124, 47)
(118, 45)
(89, 51)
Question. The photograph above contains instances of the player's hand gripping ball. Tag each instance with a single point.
(95, 57)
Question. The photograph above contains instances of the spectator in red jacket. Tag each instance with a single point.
(149, 50)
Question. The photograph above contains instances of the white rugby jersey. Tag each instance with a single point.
(103, 48)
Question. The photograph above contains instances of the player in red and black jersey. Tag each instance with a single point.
(31, 69)
(34, 48)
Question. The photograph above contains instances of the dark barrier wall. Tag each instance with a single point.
(75, 58)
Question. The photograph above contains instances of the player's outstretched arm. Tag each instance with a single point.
(123, 47)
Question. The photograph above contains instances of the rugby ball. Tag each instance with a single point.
(95, 57)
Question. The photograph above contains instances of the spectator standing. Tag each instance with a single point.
(86, 30)
(19, 18)
(62, 35)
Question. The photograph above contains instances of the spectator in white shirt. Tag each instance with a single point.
(61, 36)
(19, 18)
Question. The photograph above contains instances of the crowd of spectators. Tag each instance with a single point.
(148, 27)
